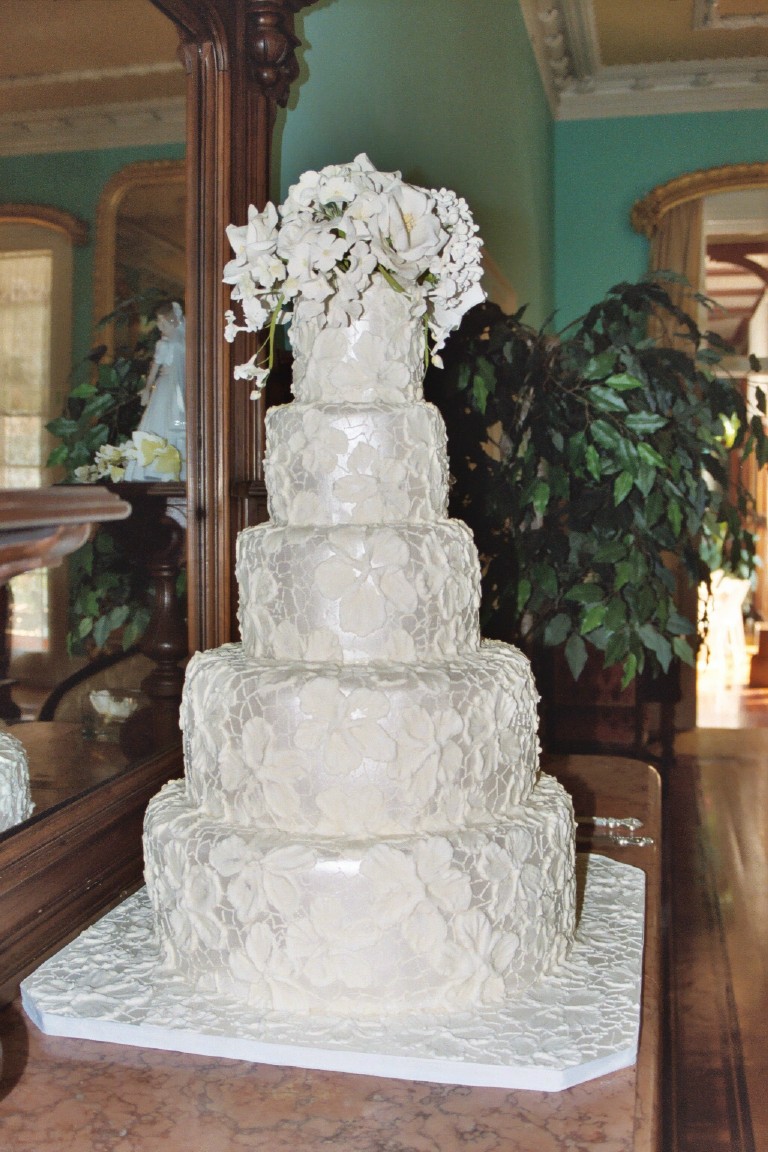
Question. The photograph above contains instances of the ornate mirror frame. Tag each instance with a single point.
(648, 212)
(66, 867)
(157, 174)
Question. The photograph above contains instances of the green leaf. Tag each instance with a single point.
(675, 516)
(645, 479)
(585, 593)
(650, 455)
(540, 498)
(98, 405)
(593, 618)
(576, 654)
(557, 629)
(479, 393)
(83, 391)
(58, 456)
(610, 551)
(592, 459)
(644, 422)
(683, 650)
(62, 427)
(523, 594)
(545, 579)
(630, 670)
(599, 366)
(84, 627)
(606, 435)
(606, 400)
(623, 575)
(616, 648)
(622, 487)
(679, 625)
(624, 382)
(656, 643)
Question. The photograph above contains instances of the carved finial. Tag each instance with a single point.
(271, 46)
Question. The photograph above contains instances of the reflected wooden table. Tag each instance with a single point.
(88, 1097)
(62, 763)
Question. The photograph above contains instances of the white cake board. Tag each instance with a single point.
(577, 1024)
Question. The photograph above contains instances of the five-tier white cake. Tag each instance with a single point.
(363, 828)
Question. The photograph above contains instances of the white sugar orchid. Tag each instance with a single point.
(337, 230)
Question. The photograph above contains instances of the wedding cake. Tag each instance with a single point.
(362, 828)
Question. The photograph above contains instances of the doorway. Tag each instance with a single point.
(732, 688)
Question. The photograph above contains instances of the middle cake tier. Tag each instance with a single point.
(350, 593)
(360, 750)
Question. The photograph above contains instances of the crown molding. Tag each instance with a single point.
(89, 75)
(706, 14)
(158, 121)
(563, 35)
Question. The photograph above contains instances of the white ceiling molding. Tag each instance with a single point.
(158, 121)
(563, 35)
(706, 14)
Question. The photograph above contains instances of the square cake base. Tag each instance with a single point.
(577, 1024)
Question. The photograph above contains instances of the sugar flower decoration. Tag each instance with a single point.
(336, 231)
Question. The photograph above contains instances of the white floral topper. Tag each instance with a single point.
(336, 230)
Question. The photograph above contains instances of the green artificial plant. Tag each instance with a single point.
(591, 466)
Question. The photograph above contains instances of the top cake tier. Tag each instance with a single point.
(378, 357)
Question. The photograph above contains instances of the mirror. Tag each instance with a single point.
(63, 868)
(127, 107)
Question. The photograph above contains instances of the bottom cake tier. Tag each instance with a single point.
(436, 923)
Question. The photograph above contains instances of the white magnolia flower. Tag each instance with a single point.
(340, 229)
(365, 575)
(345, 727)
(228, 856)
(374, 483)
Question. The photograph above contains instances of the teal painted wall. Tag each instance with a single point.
(74, 181)
(445, 91)
(602, 167)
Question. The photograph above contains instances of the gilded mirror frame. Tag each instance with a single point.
(647, 213)
(142, 174)
(65, 868)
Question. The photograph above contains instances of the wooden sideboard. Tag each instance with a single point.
(86, 1097)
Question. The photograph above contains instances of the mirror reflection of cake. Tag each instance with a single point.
(15, 798)
(363, 827)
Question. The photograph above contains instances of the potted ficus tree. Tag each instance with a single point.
(594, 467)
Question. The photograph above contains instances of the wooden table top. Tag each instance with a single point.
(62, 763)
(84, 1096)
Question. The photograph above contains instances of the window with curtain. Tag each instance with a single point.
(35, 357)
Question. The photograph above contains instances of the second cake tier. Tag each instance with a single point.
(360, 750)
(356, 463)
(349, 593)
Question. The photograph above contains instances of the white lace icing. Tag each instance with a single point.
(430, 922)
(402, 592)
(355, 464)
(15, 798)
(360, 750)
(379, 358)
(360, 831)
